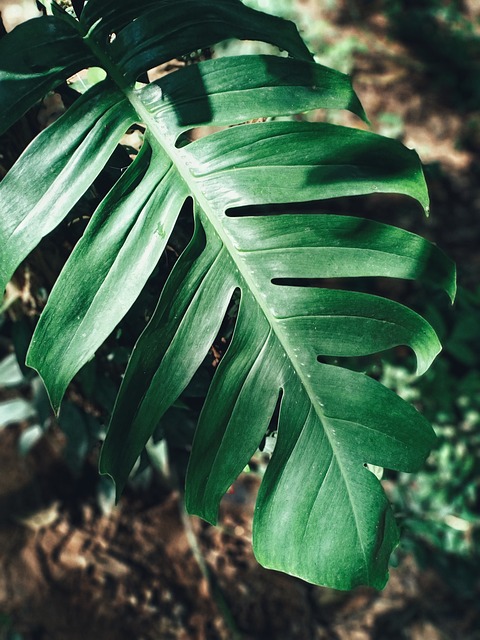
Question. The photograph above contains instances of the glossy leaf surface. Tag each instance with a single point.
(321, 514)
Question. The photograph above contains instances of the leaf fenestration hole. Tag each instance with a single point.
(268, 442)
(196, 133)
(395, 289)
(379, 207)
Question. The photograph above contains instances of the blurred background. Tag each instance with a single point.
(73, 566)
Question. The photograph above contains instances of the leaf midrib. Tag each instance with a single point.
(178, 160)
(191, 182)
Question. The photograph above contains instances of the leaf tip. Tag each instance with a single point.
(194, 508)
(54, 392)
(425, 361)
(452, 285)
(117, 487)
(356, 107)
(104, 470)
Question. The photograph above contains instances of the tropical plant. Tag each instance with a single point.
(321, 513)
(439, 506)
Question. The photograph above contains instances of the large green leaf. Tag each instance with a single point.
(82, 329)
(321, 514)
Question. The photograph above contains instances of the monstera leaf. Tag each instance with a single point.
(321, 514)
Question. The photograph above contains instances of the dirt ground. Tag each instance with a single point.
(146, 571)
(67, 572)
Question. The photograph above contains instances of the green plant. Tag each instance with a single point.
(439, 506)
(444, 37)
(5, 629)
(321, 514)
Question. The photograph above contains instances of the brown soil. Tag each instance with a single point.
(73, 573)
